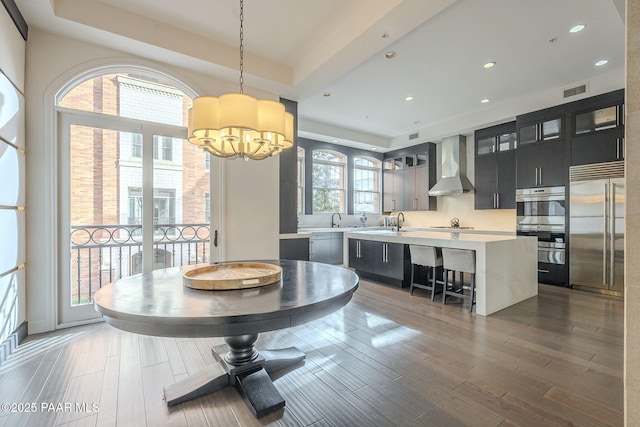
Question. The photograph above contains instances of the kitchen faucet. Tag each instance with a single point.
(333, 224)
(399, 225)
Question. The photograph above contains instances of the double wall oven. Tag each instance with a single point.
(541, 213)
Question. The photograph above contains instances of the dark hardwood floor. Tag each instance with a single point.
(386, 359)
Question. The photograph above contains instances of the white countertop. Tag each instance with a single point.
(437, 238)
(439, 232)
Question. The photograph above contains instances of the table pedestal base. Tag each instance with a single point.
(241, 365)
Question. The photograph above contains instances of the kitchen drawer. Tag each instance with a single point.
(552, 274)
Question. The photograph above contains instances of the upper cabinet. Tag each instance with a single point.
(495, 167)
(541, 154)
(598, 129)
(541, 165)
(546, 130)
(407, 178)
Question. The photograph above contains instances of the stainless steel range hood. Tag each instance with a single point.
(453, 181)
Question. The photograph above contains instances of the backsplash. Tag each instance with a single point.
(462, 207)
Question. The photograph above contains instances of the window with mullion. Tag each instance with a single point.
(366, 185)
(329, 183)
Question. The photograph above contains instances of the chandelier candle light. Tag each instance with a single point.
(237, 125)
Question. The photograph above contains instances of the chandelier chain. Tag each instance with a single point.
(241, 45)
(249, 128)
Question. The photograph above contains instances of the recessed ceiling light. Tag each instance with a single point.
(484, 101)
(335, 140)
(374, 148)
(409, 98)
(390, 55)
(489, 64)
(602, 62)
(326, 94)
(577, 28)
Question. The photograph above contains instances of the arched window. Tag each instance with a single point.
(366, 185)
(329, 183)
(136, 191)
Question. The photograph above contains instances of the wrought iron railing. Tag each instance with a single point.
(101, 254)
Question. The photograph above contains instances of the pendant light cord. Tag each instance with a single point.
(241, 45)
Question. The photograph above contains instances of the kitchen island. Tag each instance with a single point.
(506, 266)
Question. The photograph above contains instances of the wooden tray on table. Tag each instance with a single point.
(231, 275)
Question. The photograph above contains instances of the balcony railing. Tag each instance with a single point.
(101, 254)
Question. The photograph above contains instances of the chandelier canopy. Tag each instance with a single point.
(236, 125)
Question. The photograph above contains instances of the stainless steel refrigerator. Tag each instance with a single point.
(596, 227)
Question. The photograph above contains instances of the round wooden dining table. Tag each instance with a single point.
(157, 303)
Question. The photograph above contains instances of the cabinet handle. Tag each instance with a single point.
(620, 149)
(538, 176)
(497, 204)
(310, 248)
(394, 204)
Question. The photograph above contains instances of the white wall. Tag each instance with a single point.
(12, 174)
(251, 189)
(251, 209)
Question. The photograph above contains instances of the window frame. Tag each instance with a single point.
(377, 169)
(301, 153)
(341, 190)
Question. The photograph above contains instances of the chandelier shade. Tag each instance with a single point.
(236, 125)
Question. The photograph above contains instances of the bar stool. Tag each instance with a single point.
(462, 261)
(426, 256)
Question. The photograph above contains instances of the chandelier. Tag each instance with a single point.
(236, 125)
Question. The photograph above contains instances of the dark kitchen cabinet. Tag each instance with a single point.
(604, 146)
(541, 158)
(541, 165)
(294, 249)
(386, 262)
(356, 261)
(394, 260)
(598, 129)
(544, 130)
(486, 181)
(495, 167)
